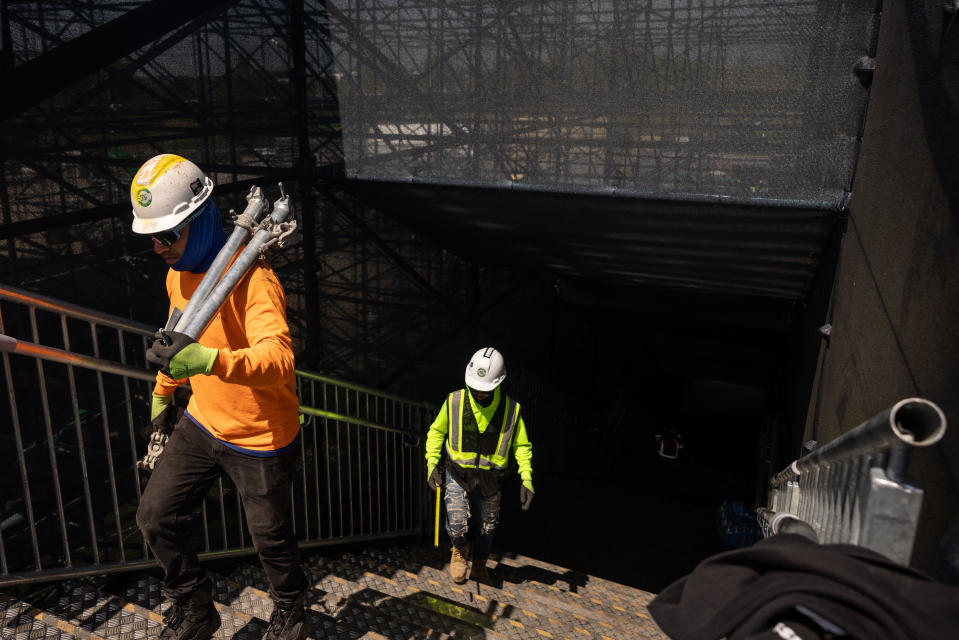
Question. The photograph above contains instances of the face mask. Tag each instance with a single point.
(205, 241)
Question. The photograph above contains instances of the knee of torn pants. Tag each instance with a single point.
(490, 515)
(457, 519)
(489, 527)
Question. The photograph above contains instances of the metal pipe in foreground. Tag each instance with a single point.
(912, 422)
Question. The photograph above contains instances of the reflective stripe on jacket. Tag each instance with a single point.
(471, 448)
(477, 437)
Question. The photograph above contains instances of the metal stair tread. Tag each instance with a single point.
(362, 608)
(430, 599)
(20, 620)
(237, 624)
(508, 613)
(626, 619)
(533, 608)
(582, 584)
(143, 593)
(612, 605)
(88, 612)
(592, 582)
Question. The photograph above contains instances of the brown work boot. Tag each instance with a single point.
(479, 572)
(459, 566)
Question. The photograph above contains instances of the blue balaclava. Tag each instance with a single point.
(205, 241)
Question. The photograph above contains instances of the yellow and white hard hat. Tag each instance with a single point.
(165, 191)
(486, 370)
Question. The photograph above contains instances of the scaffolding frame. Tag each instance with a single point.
(251, 90)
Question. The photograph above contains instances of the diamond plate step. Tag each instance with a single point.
(502, 610)
(105, 615)
(244, 616)
(85, 612)
(361, 609)
(629, 617)
(606, 606)
(427, 599)
(144, 593)
(22, 621)
(571, 580)
(563, 579)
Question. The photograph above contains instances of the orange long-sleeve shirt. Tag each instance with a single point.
(249, 399)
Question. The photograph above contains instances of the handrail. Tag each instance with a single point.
(38, 301)
(310, 375)
(70, 479)
(853, 489)
(24, 348)
(913, 422)
(320, 413)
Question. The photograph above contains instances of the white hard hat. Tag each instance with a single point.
(165, 191)
(486, 370)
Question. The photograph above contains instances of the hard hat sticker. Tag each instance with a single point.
(196, 186)
(481, 372)
(144, 197)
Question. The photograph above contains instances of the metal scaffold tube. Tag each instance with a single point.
(272, 230)
(912, 422)
(853, 489)
(245, 223)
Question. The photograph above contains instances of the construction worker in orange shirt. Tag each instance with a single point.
(242, 419)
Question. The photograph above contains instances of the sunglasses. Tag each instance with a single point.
(168, 237)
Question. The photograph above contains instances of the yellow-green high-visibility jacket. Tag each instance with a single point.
(479, 437)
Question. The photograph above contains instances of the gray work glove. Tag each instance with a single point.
(180, 356)
(434, 477)
(526, 494)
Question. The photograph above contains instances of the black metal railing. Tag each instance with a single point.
(77, 396)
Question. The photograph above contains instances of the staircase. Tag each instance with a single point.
(395, 592)
(70, 510)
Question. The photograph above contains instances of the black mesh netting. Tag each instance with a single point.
(742, 98)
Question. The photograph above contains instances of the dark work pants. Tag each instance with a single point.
(190, 463)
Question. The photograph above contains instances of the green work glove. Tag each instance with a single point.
(180, 356)
(158, 404)
(434, 477)
(526, 493)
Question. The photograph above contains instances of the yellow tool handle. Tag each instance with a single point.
(436, 530)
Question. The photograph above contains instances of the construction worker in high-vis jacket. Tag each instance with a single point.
(479, 426)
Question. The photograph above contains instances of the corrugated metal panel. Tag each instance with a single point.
(768, 249)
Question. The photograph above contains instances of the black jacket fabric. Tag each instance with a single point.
(787, 587)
